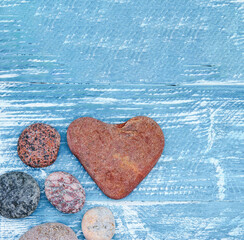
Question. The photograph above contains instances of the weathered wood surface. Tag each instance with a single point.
(198, 181)
(125, 41)
(179, 62)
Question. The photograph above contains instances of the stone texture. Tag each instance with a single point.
(38, 145)
(19, 195)
(65, 192)
(117, 156)
(50, 231)
(98, 224)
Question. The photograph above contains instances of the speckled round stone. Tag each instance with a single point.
(65, 192)
(19, 195)
(50, 231)
(38, 145)
(98, 224)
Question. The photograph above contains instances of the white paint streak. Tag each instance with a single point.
(142, 203)
(164, 102)
(168, 159)
(238, 231)
(9, 75)
(113, 90)
(38, 60)
(221, 178)
(133, 222)
(211, 131)
(215, 83)
(237, 1)
(34, 104)
(100, 100)
(6, 21)
(2, 159)
(43, 174)
(5, 170)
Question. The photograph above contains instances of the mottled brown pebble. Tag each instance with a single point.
(117, 156)
(38, 145)
(50, 231)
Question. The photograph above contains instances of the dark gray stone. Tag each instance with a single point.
(19, 195)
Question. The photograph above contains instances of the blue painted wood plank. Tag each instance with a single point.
(198, 181)
(197, 220)
(203, 130)
(122, 41)
(179, 62)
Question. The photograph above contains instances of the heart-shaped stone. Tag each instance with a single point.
(117, 156)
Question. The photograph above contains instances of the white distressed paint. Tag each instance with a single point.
(143, 203)
(41, 61)
(34, 104)
(238, 231)
(133, 222)
(221, 178)
(211, 131)
(237, 1)
(43, 174)
(164, 102)
(215, 83)
(236, 135)
(5, 170)
(100, 100)
(9, 75)
(188, 227)
(6, 21)
(199, 74)
(114, 90)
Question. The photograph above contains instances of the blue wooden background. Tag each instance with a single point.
(179, 62)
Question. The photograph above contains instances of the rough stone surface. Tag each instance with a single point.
(19, 195)
(98, 224)
(117, 156)
(38, 145)
(50, 231)
(64, 192)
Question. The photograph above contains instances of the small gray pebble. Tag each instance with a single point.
(50, 231)
(19, 195)
(98, 224)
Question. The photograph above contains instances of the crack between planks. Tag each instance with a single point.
(196, 84)
(149, 203)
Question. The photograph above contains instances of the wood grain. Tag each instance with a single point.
(178, 62)
(155, 221)
(123, 41)
(202, 162)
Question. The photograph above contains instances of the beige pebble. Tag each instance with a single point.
(50, 231)
(98, 224)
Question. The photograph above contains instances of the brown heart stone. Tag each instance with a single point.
(117, 156)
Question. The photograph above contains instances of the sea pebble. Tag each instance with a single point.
(98, 224)
(117, 156)
(38, 145)
(64, 192)
(50, 231)
(19, 195)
